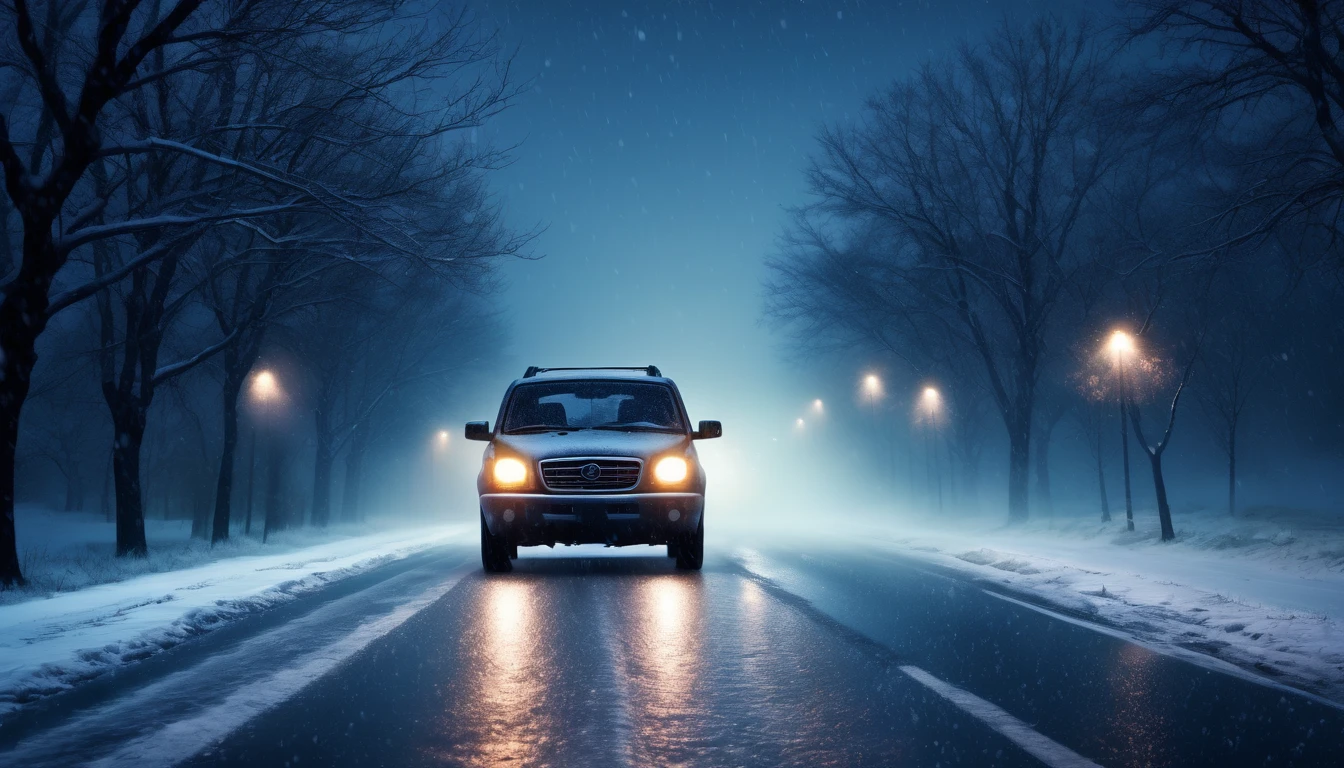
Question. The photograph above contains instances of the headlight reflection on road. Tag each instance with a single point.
(504, 722)
(668, 667)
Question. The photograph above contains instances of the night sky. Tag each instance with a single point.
(661, 144)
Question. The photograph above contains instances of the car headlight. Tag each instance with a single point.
(510, 472)
(670, 469)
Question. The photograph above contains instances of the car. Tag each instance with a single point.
(591, 456)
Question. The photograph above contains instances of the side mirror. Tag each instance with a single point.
(479, 430)
(708, 430)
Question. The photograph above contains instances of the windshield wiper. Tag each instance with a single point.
(531, 428)
(634, 428)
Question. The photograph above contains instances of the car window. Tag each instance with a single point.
(592, 404)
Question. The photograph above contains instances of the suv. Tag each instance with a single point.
(591, 456)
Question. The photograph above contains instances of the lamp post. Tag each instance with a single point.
(872, 389)
(439, 481)
(932, 401)
(263, 391)
(1122, 346)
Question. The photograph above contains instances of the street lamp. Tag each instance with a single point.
(265, 388)
(932, 402)
(817, 406)
(1122, 345)
(443, 438)
(799, 423)
(263, 392)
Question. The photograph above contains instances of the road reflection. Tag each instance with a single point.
(665, 660)
(503, 719)
(1133, 685)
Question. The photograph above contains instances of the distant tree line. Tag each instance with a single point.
(991, 220)
(192, 184)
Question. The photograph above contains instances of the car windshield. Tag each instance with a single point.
(625, 405)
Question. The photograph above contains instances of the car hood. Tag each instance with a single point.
(553, 445)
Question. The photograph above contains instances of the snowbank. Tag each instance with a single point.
(48, 645)
(1263, 591)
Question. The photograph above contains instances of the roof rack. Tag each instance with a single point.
(651, 370)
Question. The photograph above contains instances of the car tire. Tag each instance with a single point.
(691, 548)
(494, 551)
(671, 549)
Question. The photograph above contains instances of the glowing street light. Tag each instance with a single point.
(799, 423)
(443, 438)
(818, 406)
(1121, 343)
(931, 398)
(872, 385)
(265, 388)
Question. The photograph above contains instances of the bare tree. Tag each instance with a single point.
(1272, 71)
(1155, 450)
(977, 172)
(411, 194)
(1231, 367)
(99, 59)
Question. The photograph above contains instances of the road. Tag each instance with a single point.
(769, 657)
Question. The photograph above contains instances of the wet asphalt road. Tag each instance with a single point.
(766, 658)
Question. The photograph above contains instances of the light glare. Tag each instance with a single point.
(670, 469)
(264, 387)
(510, 472)
(1121, 343)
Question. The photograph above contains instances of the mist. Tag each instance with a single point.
(667, 186)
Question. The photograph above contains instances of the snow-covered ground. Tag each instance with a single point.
(54, 634)
(1263, 591)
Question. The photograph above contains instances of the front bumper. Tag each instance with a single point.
(617, 519)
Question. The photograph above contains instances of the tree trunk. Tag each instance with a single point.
(1160, 487)
(276, 519)
(322, 461)
(1232, 470)
(74, 488)
(354, 467)
(224, 484)
(1019, 468)
(1124, 455)
(107, 501)
(10, 404)
(251, 479)
(23, 313)
(1101, 484)
(200, 515)
(1043, 498)
(129, 428)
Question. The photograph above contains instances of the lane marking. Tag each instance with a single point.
(1041, 747)
(1196, 658)
(1038, 745)
(180, 740)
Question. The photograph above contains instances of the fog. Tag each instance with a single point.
(814, 217)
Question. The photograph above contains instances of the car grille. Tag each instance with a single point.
(612, 475)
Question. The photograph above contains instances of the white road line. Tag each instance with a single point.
(1042, 748)
(183, 739)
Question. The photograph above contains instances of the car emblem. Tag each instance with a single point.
(590, 472)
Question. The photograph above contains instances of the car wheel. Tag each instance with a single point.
(494, 551)
(691, 549)
(671, 549)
